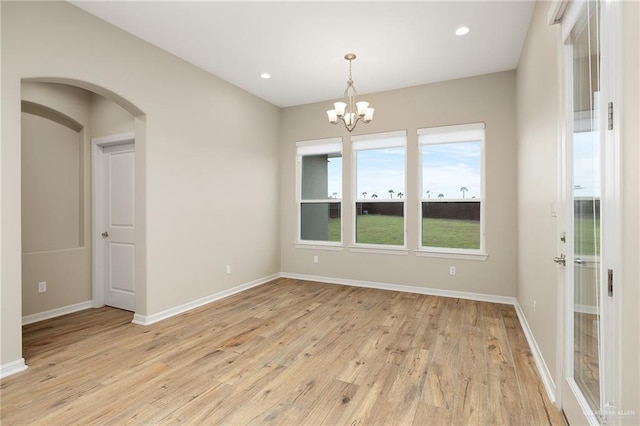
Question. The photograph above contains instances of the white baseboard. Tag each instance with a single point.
(151, 319)
(29, 319)
(12, 368)
(405, 288)
(543, 370)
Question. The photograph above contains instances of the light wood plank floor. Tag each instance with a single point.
(288, 352)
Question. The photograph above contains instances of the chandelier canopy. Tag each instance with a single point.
(350, 112)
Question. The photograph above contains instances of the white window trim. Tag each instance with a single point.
(379, 249)
(366, 143)
(459, 133)
(319, 245)
(316, 147)
(452, 254)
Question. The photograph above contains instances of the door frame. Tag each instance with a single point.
(97, 210)
(611, 203)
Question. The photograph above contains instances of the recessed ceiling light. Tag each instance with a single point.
(462, 31)
(265, 75)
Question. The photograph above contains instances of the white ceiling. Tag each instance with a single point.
(302, 44)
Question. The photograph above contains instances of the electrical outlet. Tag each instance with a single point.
(228, 269)
(315, 259)
(452, 270)
(42, 287)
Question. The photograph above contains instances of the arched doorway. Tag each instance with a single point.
(57, 259)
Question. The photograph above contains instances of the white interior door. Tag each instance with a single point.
(119, 226)
(589, 207)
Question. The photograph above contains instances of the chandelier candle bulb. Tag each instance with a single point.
(333, 117)
(340, 107)
(362, 107)
(368, 115)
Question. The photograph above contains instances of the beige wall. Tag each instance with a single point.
(206, 164)
(488, 98)
(108, 118)
(51, 186)
(53, 216)
(54, 250)
(539, 115)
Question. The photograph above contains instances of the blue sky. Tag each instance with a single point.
(586, 164)
(379, 171)
(446, 168)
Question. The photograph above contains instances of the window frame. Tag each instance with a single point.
(441, 135)
(369, 139)
(317, 147)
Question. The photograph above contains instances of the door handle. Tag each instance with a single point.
(562, 260)
(105, 234)
(578, 261)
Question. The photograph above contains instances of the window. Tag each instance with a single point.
(320, 191)
(379, 170)
(452, 188)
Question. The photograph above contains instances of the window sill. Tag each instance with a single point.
(452, 255)
(398, 251)
(319, 246)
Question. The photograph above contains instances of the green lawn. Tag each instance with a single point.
(334, 230)
(465, 234)
(451, 233)
(379, 229)
(389, 230)
(586, 237)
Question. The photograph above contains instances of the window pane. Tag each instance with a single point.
(322, 176)
(451, 225)
(380, 223)
(380, 173)
(452, 170)
(320, 222)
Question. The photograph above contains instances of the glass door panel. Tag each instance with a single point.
(586, 160)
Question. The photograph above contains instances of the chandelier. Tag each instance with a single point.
(350, 112)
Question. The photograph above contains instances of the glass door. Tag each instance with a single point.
(582, 394)
(586, 208)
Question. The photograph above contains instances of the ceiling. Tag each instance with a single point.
(302, 44)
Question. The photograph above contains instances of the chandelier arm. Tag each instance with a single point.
(353, 125)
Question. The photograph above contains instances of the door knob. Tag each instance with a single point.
(562, 260)
(105, 234)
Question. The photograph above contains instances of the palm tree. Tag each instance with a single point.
(364, 195)
(440, 195)
(374, 196)
(463, 189)
(335, 195)
(391, 191)
(400, 194)
(428, 193)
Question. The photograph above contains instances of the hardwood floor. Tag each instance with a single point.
(288, 352)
